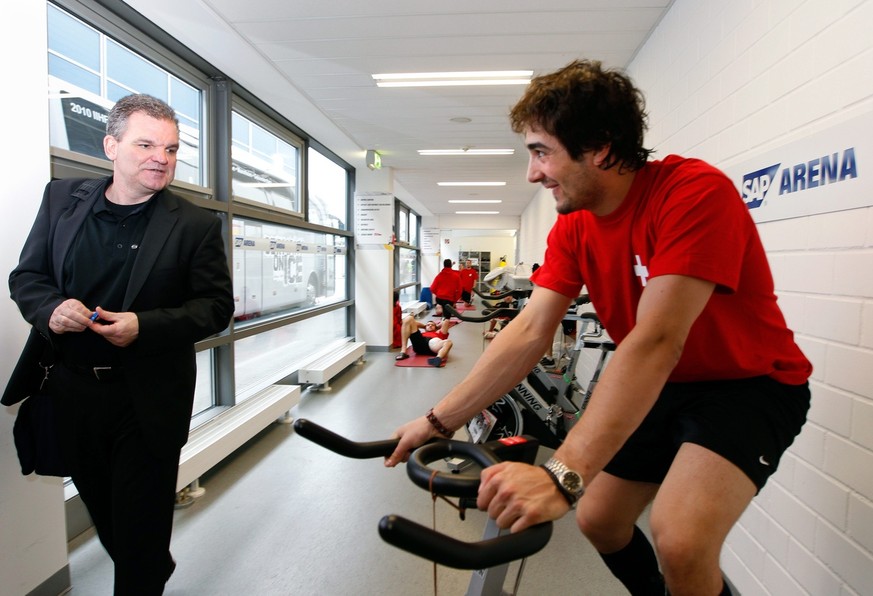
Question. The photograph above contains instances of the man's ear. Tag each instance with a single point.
(110, 147)
(599, 157)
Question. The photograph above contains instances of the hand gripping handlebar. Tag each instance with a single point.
(420, 540)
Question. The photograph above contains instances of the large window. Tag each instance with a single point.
(328, 192)
(286, 209)
(265, 166)
(280, 269)
(407, 256)
(89, 72)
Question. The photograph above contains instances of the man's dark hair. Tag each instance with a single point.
(447, 263)
(139, 102)
(587, 108)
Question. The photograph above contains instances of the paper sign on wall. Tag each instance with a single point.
(374, 217)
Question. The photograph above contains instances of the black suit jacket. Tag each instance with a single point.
(180, 289)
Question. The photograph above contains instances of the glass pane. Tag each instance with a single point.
(413, 229)
(328, 194)
(403, 225)
(408, 262)
(264, 166)
(266, 358)
(280, 269)
(67, 71)
(73, 39)
(135, 73)
(409, 294)
(204, 391)
(185, 99)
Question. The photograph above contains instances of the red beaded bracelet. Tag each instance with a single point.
(431, 417)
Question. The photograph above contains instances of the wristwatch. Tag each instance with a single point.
(568, 481)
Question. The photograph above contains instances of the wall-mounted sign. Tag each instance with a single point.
(430, 240)
(823, 172)
(374, 217)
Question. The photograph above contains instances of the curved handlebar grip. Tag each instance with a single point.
(444, 550)
(491, 314)
(583, 299)
(330, 440)
(501, 296)
(447, 483)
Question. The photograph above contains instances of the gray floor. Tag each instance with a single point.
(284, 516)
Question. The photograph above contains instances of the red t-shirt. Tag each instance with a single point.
(437, 334)
(468, 279)
(681, 216)
(446, 285)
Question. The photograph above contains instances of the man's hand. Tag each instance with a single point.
(70, 316)
(412, 434)
(518, 496)
(118, 328)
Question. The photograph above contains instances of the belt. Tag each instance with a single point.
(104, 374)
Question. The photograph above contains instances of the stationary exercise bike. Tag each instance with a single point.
(489, 558)
(545, 405)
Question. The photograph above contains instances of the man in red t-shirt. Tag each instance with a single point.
(446, 287)
(433, 341)
(468, 276)
(707, 387)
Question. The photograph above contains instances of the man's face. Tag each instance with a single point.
(575, 184)
(430, 326)
(144, 156)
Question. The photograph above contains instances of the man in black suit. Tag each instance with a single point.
(121, 277)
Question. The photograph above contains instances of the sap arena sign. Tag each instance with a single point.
(823, 172)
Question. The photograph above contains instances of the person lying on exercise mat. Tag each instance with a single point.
(433, 341)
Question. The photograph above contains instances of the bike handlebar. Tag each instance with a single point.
(420, 540)
(446, 483)
(444, 550)
(341, 445)
(517, 294)
(491, 314)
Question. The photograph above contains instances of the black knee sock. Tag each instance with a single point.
(637, 567)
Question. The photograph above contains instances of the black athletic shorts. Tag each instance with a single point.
(749, 422)
(420, 344)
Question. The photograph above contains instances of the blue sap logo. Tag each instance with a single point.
(756, 184)
(813, 173)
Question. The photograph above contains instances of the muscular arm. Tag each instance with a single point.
(626, 392)
(511, 354)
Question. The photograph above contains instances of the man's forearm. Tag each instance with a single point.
(508, 358)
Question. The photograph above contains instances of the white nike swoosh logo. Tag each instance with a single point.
(763, 461)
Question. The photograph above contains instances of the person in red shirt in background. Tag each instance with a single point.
(469, 276)
(446, 287)
(398, 318)
(433, 341)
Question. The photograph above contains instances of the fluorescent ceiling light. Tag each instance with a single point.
(471, 183)
(475, 201)
(476, 212)
(453, 79)
(466, 151)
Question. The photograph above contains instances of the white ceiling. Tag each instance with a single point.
(327, 50)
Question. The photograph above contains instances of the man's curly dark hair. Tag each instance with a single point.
(587, 108)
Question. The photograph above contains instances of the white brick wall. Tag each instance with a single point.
(724, 80)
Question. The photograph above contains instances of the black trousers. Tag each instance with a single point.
(128, 491)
